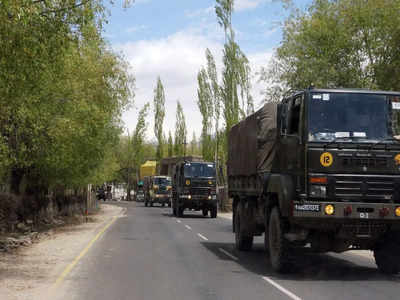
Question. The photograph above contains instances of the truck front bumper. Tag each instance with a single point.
(347, 210)
(161, 198)
(197, 202)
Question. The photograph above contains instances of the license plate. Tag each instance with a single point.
(307, 207)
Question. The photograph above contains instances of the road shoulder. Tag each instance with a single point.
(29, 272)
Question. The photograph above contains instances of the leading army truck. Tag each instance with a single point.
(320, 169)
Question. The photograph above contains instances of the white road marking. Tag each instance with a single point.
(281, 288)
(202, 236)
(188, 227)
(228, 254)
(179, 221)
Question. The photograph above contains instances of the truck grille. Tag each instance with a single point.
(199, 191)
(369, 162)
(366, 188)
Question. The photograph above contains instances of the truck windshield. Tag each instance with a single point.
(351, 116)
(162, 181)
(199, 170)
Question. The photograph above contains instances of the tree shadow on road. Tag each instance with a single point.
(306, 266)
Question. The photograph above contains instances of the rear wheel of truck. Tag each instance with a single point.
(278, 245)
(180, 211)
(213, 212)
(387, 256)
(163, 204)
(243, 240)
(205, 212)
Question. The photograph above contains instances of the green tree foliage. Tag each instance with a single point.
(170, 145)
(235, 88)
(341, 43)
(159, 115)
(62, 93)
(180, 131)
(132, 151)
(205, 104)
(194, 145)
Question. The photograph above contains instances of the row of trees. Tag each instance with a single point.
(228, 99)
(62, 93)
(337, 43)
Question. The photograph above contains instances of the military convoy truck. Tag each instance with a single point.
(158, 189)
(194, 187)
(321, 169)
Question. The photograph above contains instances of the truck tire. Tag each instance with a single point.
(145, 203)
(173, 210)
(387, 257)
(205, 212)
(180, 212)
(233, 219)
(243, 241)
(278, 245)
(213, 212)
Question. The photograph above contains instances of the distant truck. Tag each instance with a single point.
(149, 168)
(158, 189)
(194, 187)
(321, 168)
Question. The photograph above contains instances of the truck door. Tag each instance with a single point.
(292, 150)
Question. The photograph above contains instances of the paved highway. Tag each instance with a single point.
(148, 254)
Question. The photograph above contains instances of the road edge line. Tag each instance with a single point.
(69, 268)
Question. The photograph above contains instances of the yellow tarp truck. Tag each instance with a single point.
(149, 168)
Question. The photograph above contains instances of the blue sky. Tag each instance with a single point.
(169, 39)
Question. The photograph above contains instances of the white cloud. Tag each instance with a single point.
(177, 59)
(241, 5)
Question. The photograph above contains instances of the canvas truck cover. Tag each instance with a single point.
(252, 143)
(148, 169)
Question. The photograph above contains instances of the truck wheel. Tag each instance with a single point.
(213, 212)
(387, 257)
(173, 210)
(145, 204)
(244, 242)
(278, 245)
(205, 212)
(233, 219)
(163, 204)
(180, 212)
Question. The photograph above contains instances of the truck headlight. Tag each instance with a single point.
(317, 191)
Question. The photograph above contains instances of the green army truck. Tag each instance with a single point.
(158, 190)
(194, 187)
(321, 169)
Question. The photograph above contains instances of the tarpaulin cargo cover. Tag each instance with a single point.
(252, 143)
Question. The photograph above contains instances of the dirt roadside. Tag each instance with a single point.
(29, 272)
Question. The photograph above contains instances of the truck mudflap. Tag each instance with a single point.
(346, 210)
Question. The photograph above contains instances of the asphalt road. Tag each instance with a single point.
(148, 254)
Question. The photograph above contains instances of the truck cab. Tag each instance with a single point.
(333, 178)
(194, 187)
(159, 190)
